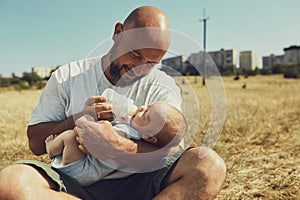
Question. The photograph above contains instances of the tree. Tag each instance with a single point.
(32, 78)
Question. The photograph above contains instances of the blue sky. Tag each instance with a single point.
(54, 32)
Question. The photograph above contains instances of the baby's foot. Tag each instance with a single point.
(48, 141)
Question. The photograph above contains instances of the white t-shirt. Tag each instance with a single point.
(72, 84)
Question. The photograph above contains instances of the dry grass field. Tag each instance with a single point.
(260, 140)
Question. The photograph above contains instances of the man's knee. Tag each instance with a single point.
(11, 172)
(14, 178)
(10, 179)
(208, 164)
(208, 171)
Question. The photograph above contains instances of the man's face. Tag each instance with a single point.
(134, 65)
(130, 62)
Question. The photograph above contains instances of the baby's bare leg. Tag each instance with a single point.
(65, 144)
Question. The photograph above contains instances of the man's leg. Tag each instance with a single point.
(21, 181)
(194, 177)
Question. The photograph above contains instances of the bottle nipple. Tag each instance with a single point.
(122, 106)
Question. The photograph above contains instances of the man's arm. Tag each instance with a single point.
(37, 133)
(102, 141)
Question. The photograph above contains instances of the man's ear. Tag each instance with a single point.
(118, 29)
(151, 139)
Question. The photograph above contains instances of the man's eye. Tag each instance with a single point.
(151, 64)
(135, 56)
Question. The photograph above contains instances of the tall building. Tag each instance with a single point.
(194, 64)
(196, 59)
(174, 65)
(291, 55)
(224, 59)
(248, 60)
(272, 60)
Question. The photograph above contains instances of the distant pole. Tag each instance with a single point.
(204, 20)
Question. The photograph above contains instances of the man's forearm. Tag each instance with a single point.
(37, 133)
(144, 157)
(144, 147)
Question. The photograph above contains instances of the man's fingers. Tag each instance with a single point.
(95, 99)
(105, 116)
(99, 107)
(83, 149)
(100, 110)
(78, 140)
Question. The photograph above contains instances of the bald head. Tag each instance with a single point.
(139, 43)
(146, 16)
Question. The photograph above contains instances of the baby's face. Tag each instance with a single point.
(149, 120)
(141, 117)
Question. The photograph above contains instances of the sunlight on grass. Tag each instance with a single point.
(259, 142)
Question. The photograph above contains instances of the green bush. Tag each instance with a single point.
(22, 86)
(266, 71)
(32, 78)
(40, 85)
(4, 82)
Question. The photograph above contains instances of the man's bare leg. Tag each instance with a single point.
(194, 177)
(65, 144)
(21, 181)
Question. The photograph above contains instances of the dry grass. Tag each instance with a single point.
(16, 108)
(259, 142)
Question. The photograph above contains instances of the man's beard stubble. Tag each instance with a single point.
(120, 80)
(115, 72)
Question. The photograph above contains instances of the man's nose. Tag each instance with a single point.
(138, 70)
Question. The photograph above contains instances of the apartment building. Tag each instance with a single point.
(291, 55)
(248, 60)
(174, 65)
(224, 59)
(272, 60)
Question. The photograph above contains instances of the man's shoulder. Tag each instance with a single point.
(75, 68)
(158, 75)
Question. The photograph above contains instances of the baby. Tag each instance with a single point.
(158, 123)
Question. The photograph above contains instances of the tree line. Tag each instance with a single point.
(29, 80)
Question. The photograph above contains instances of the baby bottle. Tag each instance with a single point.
(122, 106)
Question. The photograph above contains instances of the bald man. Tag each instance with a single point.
(73, 91)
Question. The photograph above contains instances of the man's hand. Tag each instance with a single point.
(102, 141)
(99, 108)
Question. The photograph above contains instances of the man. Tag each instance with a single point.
(128, 68)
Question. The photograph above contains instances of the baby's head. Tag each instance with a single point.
(159, 123)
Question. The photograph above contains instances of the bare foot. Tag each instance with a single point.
(48, 141)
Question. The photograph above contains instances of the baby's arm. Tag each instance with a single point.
(65, 144)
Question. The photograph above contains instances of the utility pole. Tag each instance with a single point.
(204, 20)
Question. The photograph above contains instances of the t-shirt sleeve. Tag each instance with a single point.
(165, 90)
(52, 103)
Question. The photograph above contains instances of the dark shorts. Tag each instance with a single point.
(135, 187)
